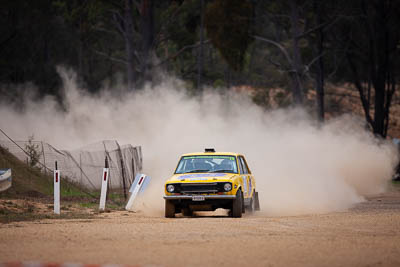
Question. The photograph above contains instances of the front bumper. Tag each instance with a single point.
(205, 197)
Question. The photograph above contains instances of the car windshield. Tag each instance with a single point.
(202, 163)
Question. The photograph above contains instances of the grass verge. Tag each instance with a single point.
(31, 195)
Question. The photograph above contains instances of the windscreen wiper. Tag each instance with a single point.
(222, 171)
(198, 171)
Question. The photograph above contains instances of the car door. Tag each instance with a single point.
(250, 178)
(247, 183)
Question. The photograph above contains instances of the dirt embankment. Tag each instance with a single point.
(366, 235)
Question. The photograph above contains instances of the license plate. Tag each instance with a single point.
(198, 198)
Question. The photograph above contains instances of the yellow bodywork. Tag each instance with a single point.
(240, 181)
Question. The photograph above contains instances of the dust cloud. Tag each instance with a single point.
(300, 167)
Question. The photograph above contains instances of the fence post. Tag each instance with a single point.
(133, 171)
(104, 184)
(56, 190)
(123, 178)
(44, 159)
(122, 169)
(80, 166)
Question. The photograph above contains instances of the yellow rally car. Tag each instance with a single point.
(208, 181)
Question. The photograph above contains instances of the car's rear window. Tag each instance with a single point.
(205, 163)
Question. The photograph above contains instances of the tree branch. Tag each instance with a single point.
(356, 81)
(119, 60)
(278, 45)
(307, 67)
(119, 22)
(316, 28)
(181, 51)
(158, 38)
(276, 64)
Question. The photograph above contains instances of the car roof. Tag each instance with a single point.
(211, 154)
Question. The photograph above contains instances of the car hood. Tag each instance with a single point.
(200, 177)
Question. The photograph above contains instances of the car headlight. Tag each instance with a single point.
(228, 187)
(170, 188)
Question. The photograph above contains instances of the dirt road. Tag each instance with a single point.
(367, 235)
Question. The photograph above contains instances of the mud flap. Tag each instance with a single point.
(257, 204)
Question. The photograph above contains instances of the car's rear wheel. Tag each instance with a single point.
(237, 206)
(187, 212)
(169, 209)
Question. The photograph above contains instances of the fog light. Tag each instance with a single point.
(170, 188)
(228, 187)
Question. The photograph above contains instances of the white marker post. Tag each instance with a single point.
(56, 190)
(136, 186)
(104, 185)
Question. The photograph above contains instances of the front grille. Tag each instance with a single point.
(199, 188)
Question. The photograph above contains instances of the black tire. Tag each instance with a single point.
(243, 205)
(257, 201)
(187, 212)
(237, 205)
(169, 209)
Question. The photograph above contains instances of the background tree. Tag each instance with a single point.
(33, 151)
(372, 36)
(292, 47)
(228, 26)
(286, 16)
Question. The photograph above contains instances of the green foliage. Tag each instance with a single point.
(282, 99)
(33, 151)
(87, 36)
(26, 181)
(29, 181)
(228, 26)
(182, 22)
(83, 16)
(219, 83)
(261, 97)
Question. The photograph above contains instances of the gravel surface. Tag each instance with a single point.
(366, 235)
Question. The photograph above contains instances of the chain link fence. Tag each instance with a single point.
(84, 165)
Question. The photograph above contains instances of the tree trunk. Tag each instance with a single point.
(319, 78)
(200, 54)
(382, 39)
(381, 70)
(128, 21)
(295, 73)
(147, 31)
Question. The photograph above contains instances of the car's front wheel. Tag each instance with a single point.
(237, 206)
(169, 209)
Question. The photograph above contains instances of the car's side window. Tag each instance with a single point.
(243, 165)
(240, 166)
